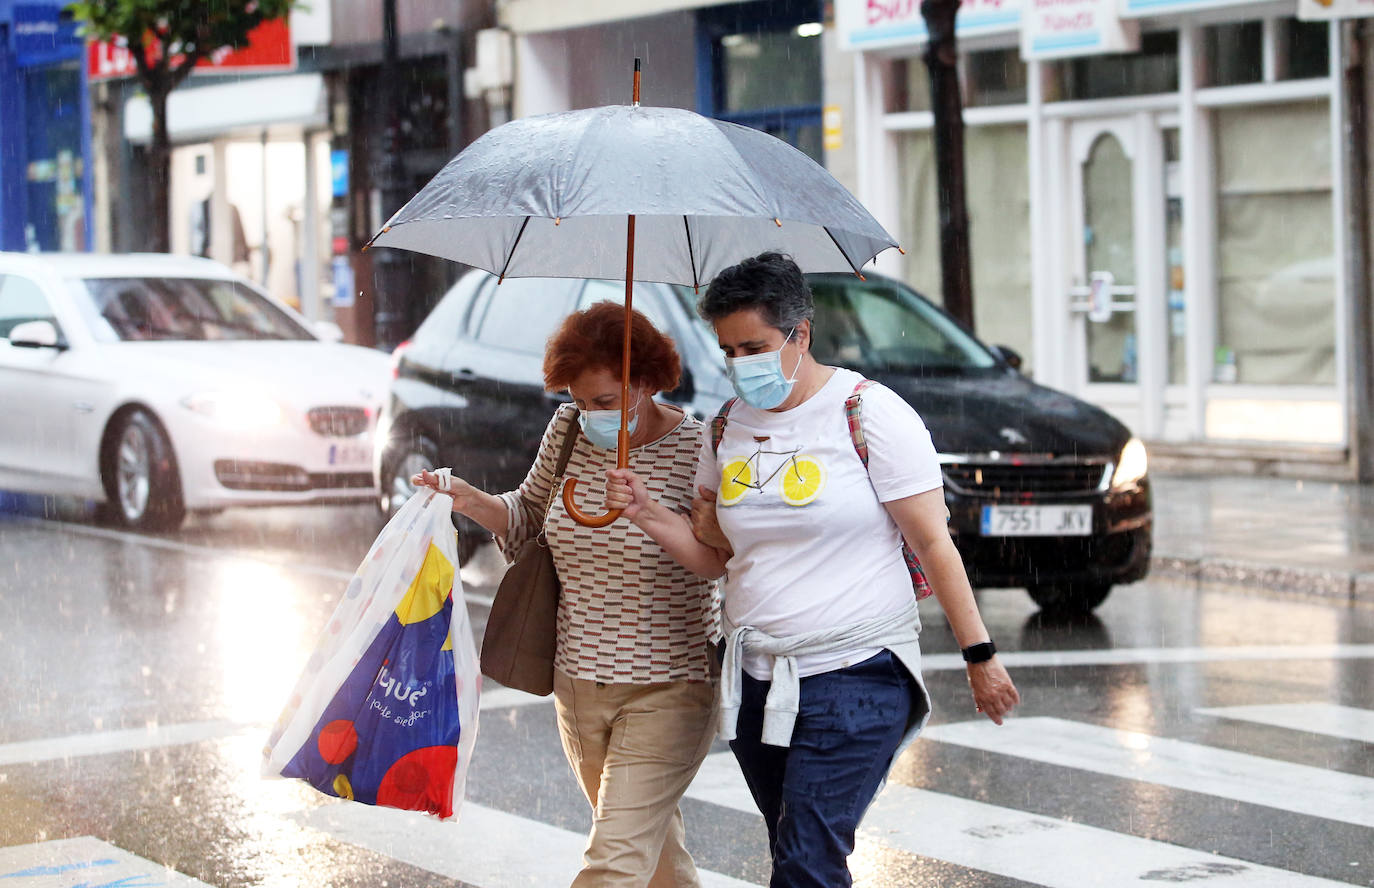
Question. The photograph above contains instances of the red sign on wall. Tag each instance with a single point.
(269, 48)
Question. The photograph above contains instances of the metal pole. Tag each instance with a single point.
(389, 310)
(942, 53)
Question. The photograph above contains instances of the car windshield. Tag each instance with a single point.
(195, 309)
(877, 325)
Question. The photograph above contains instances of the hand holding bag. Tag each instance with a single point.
(521, 635)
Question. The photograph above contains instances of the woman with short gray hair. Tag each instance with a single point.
(813, 497)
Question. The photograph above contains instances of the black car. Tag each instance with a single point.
(1045, 491)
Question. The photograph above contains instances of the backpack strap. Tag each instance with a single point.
(852, 406)
(718, 424)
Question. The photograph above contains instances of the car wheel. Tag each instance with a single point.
(140, 475)
(420, 454)
(1069, 598)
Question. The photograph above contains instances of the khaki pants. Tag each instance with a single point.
(634, 750)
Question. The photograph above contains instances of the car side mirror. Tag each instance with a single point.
(36, 334)
(328, 331)
(1008, 355)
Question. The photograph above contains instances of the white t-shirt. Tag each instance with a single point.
(815, 548)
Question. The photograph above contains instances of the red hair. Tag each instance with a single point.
(593, 339)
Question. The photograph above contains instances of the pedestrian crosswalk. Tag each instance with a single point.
(995, 836)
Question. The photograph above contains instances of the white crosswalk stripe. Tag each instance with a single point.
(1239, 776)
(1328, 719)
(1027, 847)
(483, 846)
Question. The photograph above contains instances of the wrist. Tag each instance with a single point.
(980, 652)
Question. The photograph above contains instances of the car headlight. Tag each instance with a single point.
(241, 411)
(1132, 465)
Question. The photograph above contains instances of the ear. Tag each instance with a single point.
(804, 334)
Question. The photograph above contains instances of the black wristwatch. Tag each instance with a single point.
(980, 652)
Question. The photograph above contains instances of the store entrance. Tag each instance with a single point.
(1125, 297)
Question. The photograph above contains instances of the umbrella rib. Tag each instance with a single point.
(691, 256)
(860, 274)
(521, 234)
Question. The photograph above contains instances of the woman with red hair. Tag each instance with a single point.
(633, 680)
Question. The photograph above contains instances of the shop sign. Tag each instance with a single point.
(879, 24)
(1138, 8)
(1054, 29)
(39, 37)
(1325, 10)
(269, 48)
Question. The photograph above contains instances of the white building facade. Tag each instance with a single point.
(1158, 208)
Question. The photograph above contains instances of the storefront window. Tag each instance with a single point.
(1154, 69)
(1306, 49)
(1173, 258)
(908, 86)
(770, 69)
(1275, 246)
(999, 222)
(56, 208)
(994, 77)
(1233, 53)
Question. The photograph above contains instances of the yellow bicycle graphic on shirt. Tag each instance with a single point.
(800, 477)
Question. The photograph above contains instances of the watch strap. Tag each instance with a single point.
(979, 653)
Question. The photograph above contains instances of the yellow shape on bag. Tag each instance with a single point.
(802, 481)
(427, 593)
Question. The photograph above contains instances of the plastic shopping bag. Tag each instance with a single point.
(385, 712)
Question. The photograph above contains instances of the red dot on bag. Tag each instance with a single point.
(337, 741)
(421, 781)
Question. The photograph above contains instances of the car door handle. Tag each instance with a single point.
(464, 375)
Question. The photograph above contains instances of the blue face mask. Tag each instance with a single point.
(602, 427)
(759, 380)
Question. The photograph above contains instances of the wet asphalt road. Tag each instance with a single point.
(140, 675)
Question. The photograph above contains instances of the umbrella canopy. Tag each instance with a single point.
(549, 196)
(560, 195)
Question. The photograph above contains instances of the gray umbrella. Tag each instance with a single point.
(561, 195)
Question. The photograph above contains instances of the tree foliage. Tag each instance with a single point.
(169, 37)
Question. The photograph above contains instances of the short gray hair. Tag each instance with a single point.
(770, 283)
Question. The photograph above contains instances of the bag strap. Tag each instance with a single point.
(718, 424)
(852, 406)
(570, 432)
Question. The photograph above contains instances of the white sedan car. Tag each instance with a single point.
(159, 385)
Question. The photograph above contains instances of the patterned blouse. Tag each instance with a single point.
(629, 613)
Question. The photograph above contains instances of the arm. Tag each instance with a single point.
(625, 490)
(704, 523)
(921, 519)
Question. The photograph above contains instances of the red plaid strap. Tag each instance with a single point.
(718, 424)
(852, 406)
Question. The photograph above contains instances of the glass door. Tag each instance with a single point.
(1125, 254)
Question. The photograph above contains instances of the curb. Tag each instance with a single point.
(1345, 587)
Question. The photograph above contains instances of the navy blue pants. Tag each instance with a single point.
(813, 792)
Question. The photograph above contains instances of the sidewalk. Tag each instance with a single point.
(1297, 537)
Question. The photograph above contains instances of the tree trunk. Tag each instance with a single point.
(942, 53)
(159, 237)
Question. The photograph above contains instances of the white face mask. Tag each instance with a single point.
(602, 427)
(759, 380)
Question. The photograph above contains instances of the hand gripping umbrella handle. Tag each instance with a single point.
(622, 460)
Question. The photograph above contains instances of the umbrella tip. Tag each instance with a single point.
(860, 275)
(900, 250)
(777, 221)
(501, 279)
(557, 220)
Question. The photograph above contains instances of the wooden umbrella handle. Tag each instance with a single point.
(581, 517)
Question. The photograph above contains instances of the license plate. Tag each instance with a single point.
(350, 455)
(1037, 520)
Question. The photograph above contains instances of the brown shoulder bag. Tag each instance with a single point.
(521, 634)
